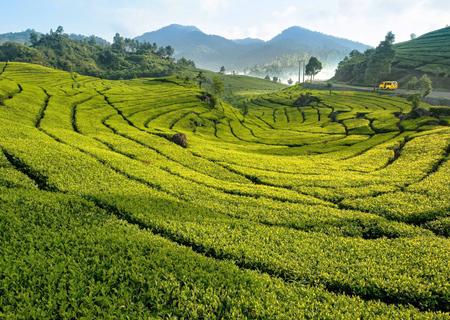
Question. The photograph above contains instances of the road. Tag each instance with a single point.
(434, 94)
(435, 98)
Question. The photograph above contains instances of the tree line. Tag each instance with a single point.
(123, 59)
(370, 67)
(375, 66)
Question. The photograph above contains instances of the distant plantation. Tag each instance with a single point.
(301, 204)
(428, 54)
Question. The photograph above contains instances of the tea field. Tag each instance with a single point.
(335, 210)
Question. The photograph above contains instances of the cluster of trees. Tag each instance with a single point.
(371, 67)
(215, 86)
(312, 68)
(123, 59)
(424, 85)
(273, 79)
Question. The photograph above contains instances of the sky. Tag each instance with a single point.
(366, 21)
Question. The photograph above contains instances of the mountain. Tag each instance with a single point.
(428, 54)
(209, 51)
(277, 56)
(248, 41)
(23, 37)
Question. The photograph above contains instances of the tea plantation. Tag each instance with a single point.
(339, 209)
(429, 53)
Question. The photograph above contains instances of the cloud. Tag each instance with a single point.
(366, 21)
(213, 6)
(286, 12)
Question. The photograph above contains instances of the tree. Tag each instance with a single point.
(222, 70)
(218, 85)
(412, 83)
(415, 100)
(92, 41)
(200, 79)
(329, 86)
(313, 67)
(267, 78)
(425, 85)
(169, 51)
(380, 62)
(59, 30)
(34, 38)
(118, 43)
(275, 79)
(413, 36)
(183, 62)
(290, 81)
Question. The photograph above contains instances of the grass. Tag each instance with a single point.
(336, 210)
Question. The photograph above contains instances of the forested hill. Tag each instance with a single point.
(124, 59)
(428, 54)
(23, 37)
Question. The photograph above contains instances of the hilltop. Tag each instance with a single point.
(278, 56)
(23, 37)
(428, 54)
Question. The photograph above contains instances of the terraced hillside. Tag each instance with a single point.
(338, 210)
(428, 54)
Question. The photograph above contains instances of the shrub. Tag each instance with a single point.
(415, 100)
(180, 139)
(306, 100)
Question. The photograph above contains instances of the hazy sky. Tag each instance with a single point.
(366, 21)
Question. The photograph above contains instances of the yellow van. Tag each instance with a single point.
(389, 85)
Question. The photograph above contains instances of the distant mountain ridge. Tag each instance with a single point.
(280, 54)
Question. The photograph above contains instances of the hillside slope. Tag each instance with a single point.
(428, 54)
(331, 210)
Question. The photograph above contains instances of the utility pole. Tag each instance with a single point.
(301, 70)
(304, 68)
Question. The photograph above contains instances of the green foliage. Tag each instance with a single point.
(334, 210)
(329, 86)
(218, 86)
(380, 62)
(415, 100)
(412, 83)
(200, 79)
(124, 59)
(427, 54)
(313, 67)
(425, 85)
